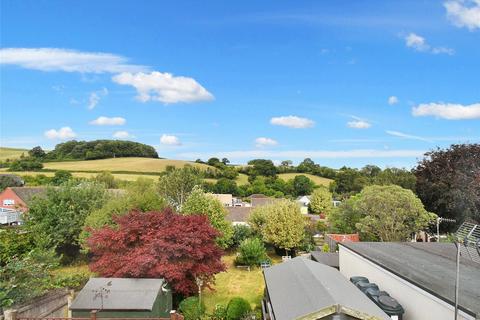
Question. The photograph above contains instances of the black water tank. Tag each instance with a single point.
(354, 280)
(388, 304)
(363, 286)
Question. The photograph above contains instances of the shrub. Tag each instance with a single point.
(25, 164)
(240, 233)
(326, 247)
(251, 252)
(191, 308)
(237, 308)
(220, 313)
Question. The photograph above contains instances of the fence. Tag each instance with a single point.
(13, 315)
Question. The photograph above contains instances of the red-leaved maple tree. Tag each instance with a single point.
(181, 249)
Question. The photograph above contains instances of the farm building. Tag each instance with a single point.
(421, 276)
(303, 289)
(123, 298)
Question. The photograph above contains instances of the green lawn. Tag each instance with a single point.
(236, 282)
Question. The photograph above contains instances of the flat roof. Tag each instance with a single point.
(301, 287)
(123, 294)
(429, 266)
(327, 258)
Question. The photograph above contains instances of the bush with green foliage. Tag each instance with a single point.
(382, 213)
(56, 220)
(251, 252)
(237, 308)
(107, 179)
(191, 308)
(281, 223)
(14, 243)
(199, 202)
(25, 164)
(140, 195)
(10, 180)
(27, 277)
(60, 177)
(219, 313)
(37, 180)
(240, 233)
(321, 201)
(37, 152)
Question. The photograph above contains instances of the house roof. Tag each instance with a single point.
(430, 266)
(28, 193)
(238, 214)
(256, 202)
(327, 258)
(301, 287)
(125, 294)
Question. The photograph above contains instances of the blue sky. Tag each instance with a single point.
(342, 82)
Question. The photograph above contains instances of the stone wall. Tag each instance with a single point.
(51, 305)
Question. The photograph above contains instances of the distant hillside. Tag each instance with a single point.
(11, 153)
(132, 164)
(316, 179)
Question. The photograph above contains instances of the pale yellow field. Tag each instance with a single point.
(120, 176)
(317, 180)
(121, 164)
(11, 153)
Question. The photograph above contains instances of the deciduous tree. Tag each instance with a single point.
(163, 244)
(199, 202)
(175, 186)
(321, 201)
(448, 182)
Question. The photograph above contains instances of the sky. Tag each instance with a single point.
(342, 82)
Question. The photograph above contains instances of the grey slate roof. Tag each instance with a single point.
(238, 214)
(327, 258)
(28, 193)
(125, 294)
(430, 266)
(301, 287)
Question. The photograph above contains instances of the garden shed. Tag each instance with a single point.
(123, 298)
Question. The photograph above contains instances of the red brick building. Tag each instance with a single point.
(18, 198)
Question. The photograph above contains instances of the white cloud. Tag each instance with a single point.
(419, 43)
(106, 121)
(392, 100)
(462, 15)
(292, 122)
(94, 98)
(406, 136)
(122, 135)
(359, 124)
(302, 154)
(164, 87)
(449, 111)
(264, 142)
(170, 140)
(55, 59)
(62, 134)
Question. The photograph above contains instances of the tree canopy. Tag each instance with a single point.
(384, 213)
(321, 201)
(448, 182)
(175, 185)
(163, 244)
(100, 149)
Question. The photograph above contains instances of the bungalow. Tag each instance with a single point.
(123, 298)
(18, 198)
(238, 215)
(303, 289)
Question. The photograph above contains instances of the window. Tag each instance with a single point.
(8, 202)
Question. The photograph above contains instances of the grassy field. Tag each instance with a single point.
(317, 180)
(120, 176)
(11, 153)
(236, 282)
(121, 164)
